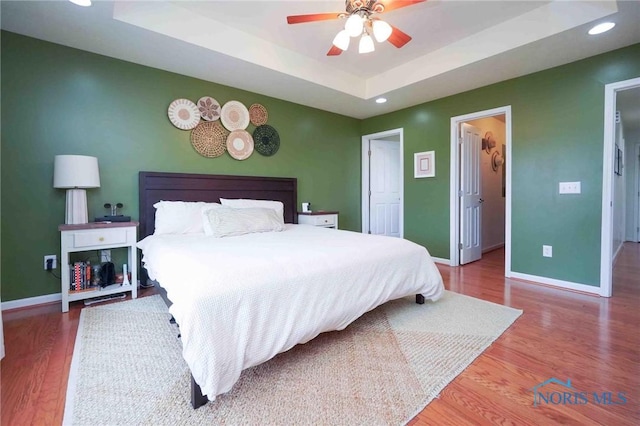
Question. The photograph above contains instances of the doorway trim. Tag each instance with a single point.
(606, 248)
(366, 176)
(636, 196)
(454, 204)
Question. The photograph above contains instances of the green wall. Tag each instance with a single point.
(557, 134)
(58, 100)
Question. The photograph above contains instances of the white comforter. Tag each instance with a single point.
(241, 300)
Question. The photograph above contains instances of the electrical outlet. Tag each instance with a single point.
(105, 256)
(547, 251)
(54, 263)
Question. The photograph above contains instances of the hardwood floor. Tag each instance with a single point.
(592, 341)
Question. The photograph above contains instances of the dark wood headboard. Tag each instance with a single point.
(159, 186)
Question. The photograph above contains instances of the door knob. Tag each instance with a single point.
(481, 201)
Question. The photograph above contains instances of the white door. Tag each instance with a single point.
(384, 187)
(470, 194)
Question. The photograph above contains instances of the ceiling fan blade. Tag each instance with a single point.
(301, 19)
(397, 4)
(334, 51)
(398, 38)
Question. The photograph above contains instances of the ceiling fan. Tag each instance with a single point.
(362, 20)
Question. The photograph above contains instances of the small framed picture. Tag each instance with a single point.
(424, 164)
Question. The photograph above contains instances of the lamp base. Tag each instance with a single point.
(76, 211)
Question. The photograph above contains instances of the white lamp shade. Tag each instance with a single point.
(354, 25)
(341, 41)
(366, 44)
(381, 30)
(76, 171)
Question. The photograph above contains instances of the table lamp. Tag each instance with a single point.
(75, 173)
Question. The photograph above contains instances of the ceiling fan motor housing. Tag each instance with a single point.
(368, 6)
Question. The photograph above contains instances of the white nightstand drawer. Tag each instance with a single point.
(99, 238)
(323, 220)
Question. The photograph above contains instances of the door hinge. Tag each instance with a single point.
(460, 193)
(460, 246)
(369, 153)
(460, 140)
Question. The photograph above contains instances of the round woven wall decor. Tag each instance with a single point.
(240, 144)
(209, 108)
(234, 116)
(266, 140)
(258, 115)
(209, 139)
(183, 114)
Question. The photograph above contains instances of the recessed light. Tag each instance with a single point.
(601, 28)
(84, 3)
(381, 100)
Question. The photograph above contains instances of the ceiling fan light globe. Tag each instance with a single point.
(341, 40)
(83, 3)
(354, 25)
(381, 30)
(366, 44)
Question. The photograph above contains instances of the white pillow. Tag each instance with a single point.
(227, 221)
(180, 217)
(242, 203)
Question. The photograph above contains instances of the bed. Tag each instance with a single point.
(241, 300)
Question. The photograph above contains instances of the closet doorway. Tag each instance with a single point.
(382, 183)
(480, 202)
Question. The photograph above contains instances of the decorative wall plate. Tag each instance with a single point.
(234, 116)
(266, 140)
(258, 115)
(209, 108)
(488, 142)
(240, 144)
(209, 139)
(184, 114)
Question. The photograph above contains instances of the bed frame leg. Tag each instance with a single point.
(419, 299)
(197, 399)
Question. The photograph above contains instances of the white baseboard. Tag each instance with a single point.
(558, 283)
(492, 248)
(615, 255)
(31, 301)
(441, 260)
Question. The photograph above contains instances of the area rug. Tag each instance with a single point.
(383, 369)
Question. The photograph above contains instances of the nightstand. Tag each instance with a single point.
(325, 219)
(97, 236)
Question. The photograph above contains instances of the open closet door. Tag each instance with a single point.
(470, 194)
(384, 187)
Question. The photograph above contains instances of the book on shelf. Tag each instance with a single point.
(82, 277)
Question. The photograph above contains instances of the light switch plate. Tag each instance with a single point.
(547, 251)
(569, 188)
